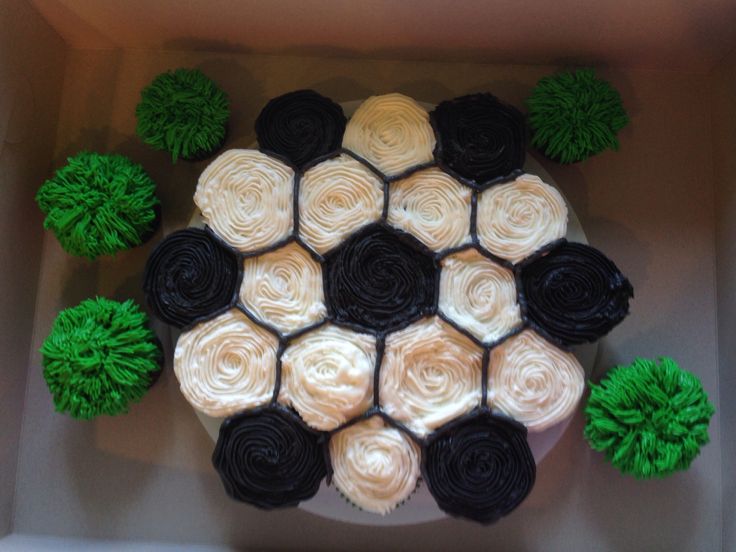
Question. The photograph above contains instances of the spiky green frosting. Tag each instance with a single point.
(98, 204)
(650, 419)
(183, 112)
(99, 357)
(574, 115)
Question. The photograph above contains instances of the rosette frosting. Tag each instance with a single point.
(246, 197)
(479, 295)
(433, 206)
(327, 376)
(575, 293)
(392, 132)
(189, 276)
(480, 468)
(430, 374)
(336, 197)
(375, 466)
(516, 219)
(481, 138)
(226, 364)
(284, 288)
(377, 280)
(301, 125)
(267, 458)
(533, 381)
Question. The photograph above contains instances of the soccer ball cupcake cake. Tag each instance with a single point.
(380, 302)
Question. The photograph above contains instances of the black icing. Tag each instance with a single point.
(189, 276)
(301, 125)
(269, 459)
(379, 279)
(480, 138)
(479, 467)
(574, 293)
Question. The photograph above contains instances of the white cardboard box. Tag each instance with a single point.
(664, 208)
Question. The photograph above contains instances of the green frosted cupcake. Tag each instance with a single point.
(185, 113)
(99, 204)
(574, 115)
(100, 357)
(650, 419)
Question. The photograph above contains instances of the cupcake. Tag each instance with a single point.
(99, 204)
(99, 358)
(185, 113)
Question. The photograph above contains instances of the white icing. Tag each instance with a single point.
(430, 374)
(327, 376)
(392, 132)
(374, 465)
(533, 381)
(337, 197)
(516, 219)
(226, 364)
(433, 206)
(479, 295)
(284, 288)
(245, 196)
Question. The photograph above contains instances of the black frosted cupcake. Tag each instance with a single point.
(301, 125)
(269, 458)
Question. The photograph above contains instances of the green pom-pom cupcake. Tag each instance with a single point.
(185, 113)
(574, 115)
(100, 357)
(650, 419)
(99, 204)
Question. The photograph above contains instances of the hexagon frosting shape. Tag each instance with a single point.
(517, 218)
(226, 364)
(392, 132)
(479, 295)
(430, 374)
(246, 197)
(327, 375)
(432, 206)
(533, 381)
(283, 288)
(379, 280)
(337, 197)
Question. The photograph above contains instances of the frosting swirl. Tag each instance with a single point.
(433, 206)
(301, 125)
(226, 364)
(267, 458)
(430, 374)
(283, 288)
(575, 293)
(479, 295)
(481, 138)
(378, 281)
(337, 197)
(189, 276)
(533, 381)
(327, 376)
(375, 466)
(480, 468)
(516, 219)
(246, 197)
(392, 132)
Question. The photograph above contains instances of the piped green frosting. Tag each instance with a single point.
(574, 115)
(98, 204)
(650, 418)
(183, 112)
(99, 357)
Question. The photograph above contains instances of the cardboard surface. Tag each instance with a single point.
(30, 89)
(658, 34)
(650, 207)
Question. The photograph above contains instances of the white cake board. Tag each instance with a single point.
(421, 507)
